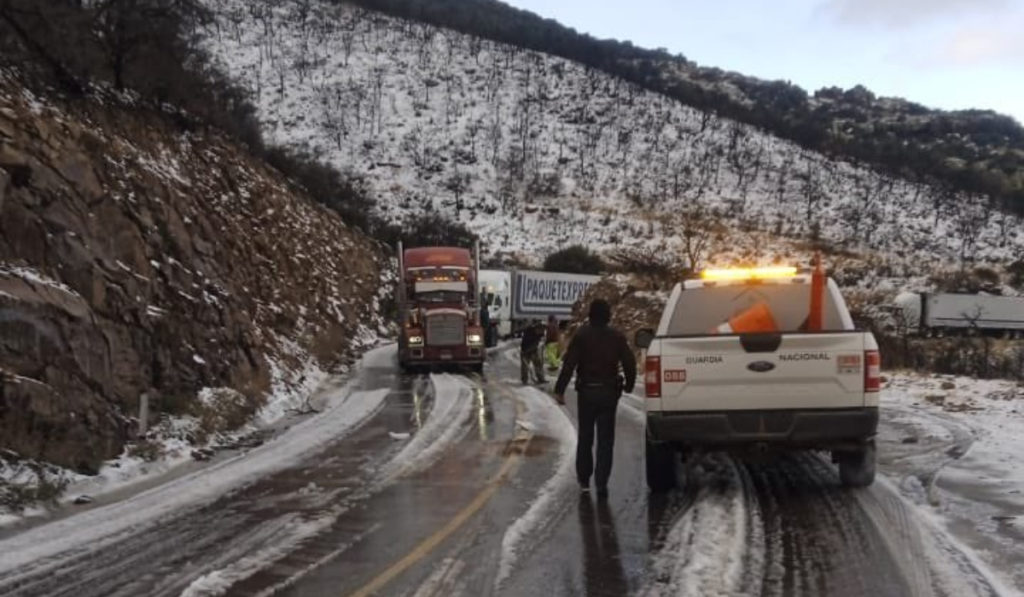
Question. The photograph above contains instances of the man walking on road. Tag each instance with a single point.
(596, 353)
(529, 353)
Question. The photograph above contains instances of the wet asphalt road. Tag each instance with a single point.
(340, 524)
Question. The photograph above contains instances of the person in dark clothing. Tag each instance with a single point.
(596, 354)
(529, 353)
(485, 323)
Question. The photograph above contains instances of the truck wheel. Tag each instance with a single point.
(661, 466)
(857, 469)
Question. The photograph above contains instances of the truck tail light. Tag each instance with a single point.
(652, 377)
(872, 371)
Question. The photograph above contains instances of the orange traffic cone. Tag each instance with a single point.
(757, 318)
(815, 319)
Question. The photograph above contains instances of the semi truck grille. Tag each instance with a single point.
(446, 330)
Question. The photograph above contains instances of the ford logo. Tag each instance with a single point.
(761, 366)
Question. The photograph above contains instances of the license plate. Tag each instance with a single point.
(446, 356)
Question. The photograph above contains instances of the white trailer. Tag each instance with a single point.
(538, 295)
(515, 298)
(496, 291)
(943, 313)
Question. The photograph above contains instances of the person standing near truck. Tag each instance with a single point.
(596, 354)
(529, 353)
(485, 323)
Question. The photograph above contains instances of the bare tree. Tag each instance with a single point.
(695, 227)
(126, 27)
(971, 218)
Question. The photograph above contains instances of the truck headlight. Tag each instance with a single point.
(415, 340)
(474, 339)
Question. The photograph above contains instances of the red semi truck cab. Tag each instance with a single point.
(439, 309)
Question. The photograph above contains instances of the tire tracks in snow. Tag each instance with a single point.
(132, 545)
(706, 551)
(447, 423)
(788, 527)
(543, 417)
(46, 548)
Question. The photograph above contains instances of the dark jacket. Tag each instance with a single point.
(596, 353)
(532, 337)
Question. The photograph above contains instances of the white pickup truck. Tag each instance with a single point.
(710, 388)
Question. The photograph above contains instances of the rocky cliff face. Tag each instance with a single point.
(137, 257)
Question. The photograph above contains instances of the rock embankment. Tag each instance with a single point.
(136, 256)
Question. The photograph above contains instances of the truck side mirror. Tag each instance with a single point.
(644, 338)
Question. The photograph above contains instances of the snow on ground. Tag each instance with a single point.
(633, 407)
(277, 538)
(925, 550)
(713, 549)
(34, 277)
(533, 152)
(345, 411)
(543, 417)
(128, 469)
(952, 447)
(291, 388)
(446, 424)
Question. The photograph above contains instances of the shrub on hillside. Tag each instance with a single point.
(981, 279)
(1015, 271)
(347, 195)
(657, 269)
(427, 230)
(576, 259)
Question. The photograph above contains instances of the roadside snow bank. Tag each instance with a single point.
(543, 417)
(345, 411)
(170, 444)
(952, 446)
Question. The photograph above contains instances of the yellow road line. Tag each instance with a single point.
(430, 543)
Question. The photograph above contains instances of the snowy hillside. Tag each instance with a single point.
(534, 152)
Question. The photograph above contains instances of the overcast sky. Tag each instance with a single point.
(948, 54)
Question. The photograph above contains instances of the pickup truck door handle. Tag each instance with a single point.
(760, 342)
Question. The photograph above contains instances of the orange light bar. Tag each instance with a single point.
(755, 273)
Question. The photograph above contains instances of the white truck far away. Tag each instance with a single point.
(735, 365)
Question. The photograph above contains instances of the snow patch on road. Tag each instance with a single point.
(102, 526)
(447, 423)
(716, 547)
(634, 407)
(278, 538)
(543, 417)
